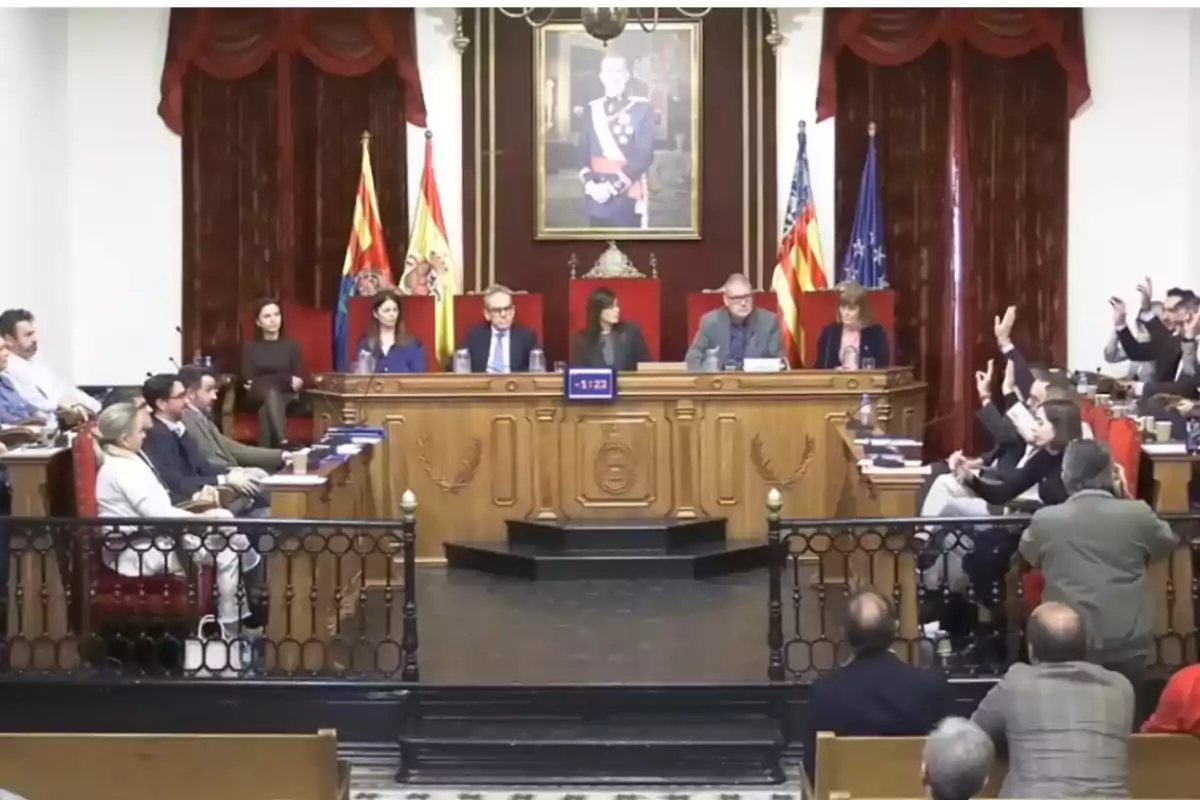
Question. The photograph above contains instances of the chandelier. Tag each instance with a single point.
(606, 24)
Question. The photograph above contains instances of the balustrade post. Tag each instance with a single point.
(408, 524)
(775, 563)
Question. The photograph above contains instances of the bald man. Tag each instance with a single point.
(875, 693)
(738, 331)
(1060, 704)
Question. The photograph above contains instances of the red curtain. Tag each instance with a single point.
(990, 94)
(271, 105)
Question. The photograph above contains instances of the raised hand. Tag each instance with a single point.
(983, 380)
(1003, 325)
(1146, 292)
(1191, 324)
(1118, 311)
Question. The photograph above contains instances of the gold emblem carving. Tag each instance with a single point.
(615, 468)
(466, 471)
(762, 464)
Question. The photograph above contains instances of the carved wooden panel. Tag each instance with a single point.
(614, 459)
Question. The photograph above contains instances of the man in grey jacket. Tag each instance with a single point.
(738, 331)
(218, 449)
(1066, 723)
(1093, 551)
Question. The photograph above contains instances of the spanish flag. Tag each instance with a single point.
(429, 268)
(799, 266)
(366, 268)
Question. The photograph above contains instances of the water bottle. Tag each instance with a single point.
(364, 364)
(864, 411)
(462, 362)
(1193, 436)
(537, 360)
(1082, 385)
(710, 363)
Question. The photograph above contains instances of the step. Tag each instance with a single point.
(695, 562)
(609, 735)
(639, 534)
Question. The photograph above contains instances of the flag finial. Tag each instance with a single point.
(802, 126)
(366, 138)
(870, 129)
(428, 134)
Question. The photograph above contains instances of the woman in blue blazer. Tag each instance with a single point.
(854, 336)
(390, 344)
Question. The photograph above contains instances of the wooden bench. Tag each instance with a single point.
(102, 766)
(1162, 766)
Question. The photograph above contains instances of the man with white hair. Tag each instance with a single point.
(738, 331)
(957, 760)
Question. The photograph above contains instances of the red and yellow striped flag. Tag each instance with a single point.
(799, 266)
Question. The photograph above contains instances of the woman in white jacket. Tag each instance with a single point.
(127, 486)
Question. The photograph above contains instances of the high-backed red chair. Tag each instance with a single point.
(1125, 444)
(312, 328)
(640, 297)
(110, 597)
(700, 303)
(818, 309)
(468, 312)
(417, 311)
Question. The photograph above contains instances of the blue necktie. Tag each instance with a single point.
(497, 363)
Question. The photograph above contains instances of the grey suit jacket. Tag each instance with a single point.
(715, 330)
(221, 451)
(1066, 727)
(1094, 550)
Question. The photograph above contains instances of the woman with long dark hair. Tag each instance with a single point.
(391, 346)
(607, 341)
(272, 367)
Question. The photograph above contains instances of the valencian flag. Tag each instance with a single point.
(864, 260)
(366, 268)
(429, 268)
(799, 266)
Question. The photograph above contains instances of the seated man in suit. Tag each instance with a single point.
(221, 452)
(738, 331)
(177, 459)
(875, 693)
(499, 345)
(1172, 340)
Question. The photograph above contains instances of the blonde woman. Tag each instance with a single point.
(855, 339)
(128, 487)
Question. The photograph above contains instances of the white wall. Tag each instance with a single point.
(34, 265)
(90, 198)
(125, 198)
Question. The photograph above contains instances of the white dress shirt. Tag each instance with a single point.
(42, 388)
(503, 340)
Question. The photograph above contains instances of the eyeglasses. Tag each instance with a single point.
(737, 298)
(499, 311)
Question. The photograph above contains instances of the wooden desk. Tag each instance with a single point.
(316, 576)
(481, 449)
(1171, 579)
(37, 603)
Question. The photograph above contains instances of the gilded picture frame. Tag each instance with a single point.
(618, 132)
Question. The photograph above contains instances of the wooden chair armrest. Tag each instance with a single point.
(229, 393)
(197, 506)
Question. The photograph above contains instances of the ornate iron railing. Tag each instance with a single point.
(200, 598)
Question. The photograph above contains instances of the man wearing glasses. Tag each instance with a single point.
(499, 345)
(738, 331)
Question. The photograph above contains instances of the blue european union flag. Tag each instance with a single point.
(865, 260)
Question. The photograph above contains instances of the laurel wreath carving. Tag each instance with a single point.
(466, 471)
(762, 464)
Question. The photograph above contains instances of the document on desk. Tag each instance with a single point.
(1165, 448)
(289, 479)
(894, 441)
(906, 470)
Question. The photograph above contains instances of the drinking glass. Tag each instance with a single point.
(868, 362)
(560, 366)
(537, 360)
(462, 362)
(731, 365)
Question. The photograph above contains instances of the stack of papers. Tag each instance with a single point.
(908, 464)
(917, 469)
(289, 479)
(1165, 448)
(894, 441)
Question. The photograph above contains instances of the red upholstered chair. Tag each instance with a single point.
(818, 309)
(468, 312)
(110, 597)
(1125, 444)
(700, 303)
(1099, 418)
(640, 297)
(417, 311)
(312, 328)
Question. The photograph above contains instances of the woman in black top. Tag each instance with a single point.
(271, 367)
(854, 336)
(606, 341)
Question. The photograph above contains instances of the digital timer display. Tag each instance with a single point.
(589, 384)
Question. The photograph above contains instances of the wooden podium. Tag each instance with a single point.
(481, 449)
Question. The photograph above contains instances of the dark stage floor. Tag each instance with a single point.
(481, 629)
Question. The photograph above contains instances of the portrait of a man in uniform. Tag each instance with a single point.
(618, 133)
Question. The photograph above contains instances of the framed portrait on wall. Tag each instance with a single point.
(618, 132)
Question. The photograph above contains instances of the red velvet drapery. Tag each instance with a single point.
(893, 36)
(232, 43)
(1000, 146)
